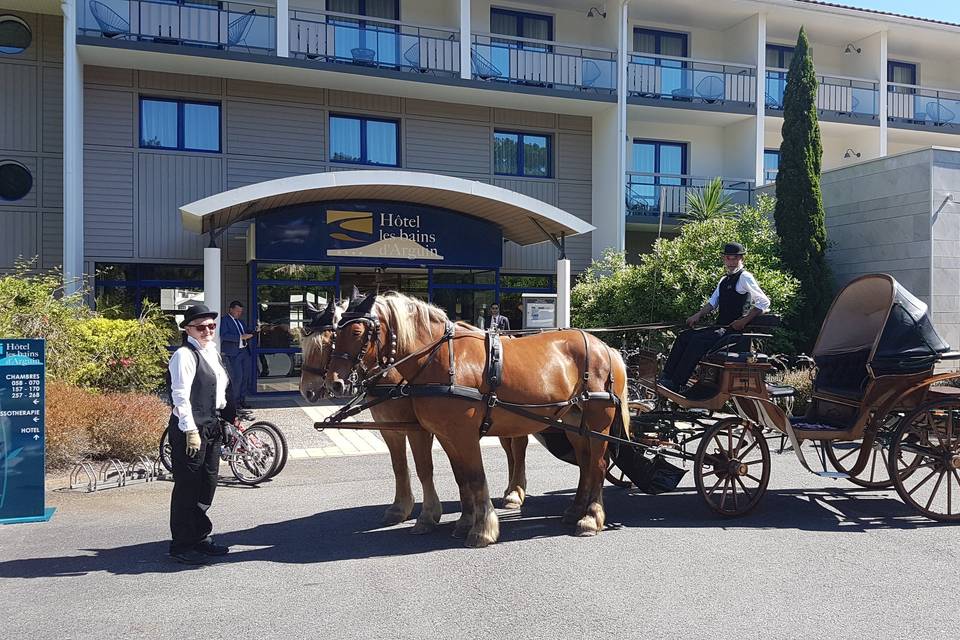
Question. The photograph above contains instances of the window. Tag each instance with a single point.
(659, 167)
(15, 180)
(779, 56)
(671, 73)
(179, 124)
(771, 164)
(521, 154)
(522, 25)
(15, 35)
(901, 73)
(364, 141)
(365, 41)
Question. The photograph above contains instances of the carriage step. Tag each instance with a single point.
(832, 474)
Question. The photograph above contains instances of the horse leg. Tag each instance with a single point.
(516, 492)
(403, 496)
(463, 450)
(594, 517)
(578, 507)
(421, 443)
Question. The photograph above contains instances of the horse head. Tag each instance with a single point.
(357, 341)
(316, 342)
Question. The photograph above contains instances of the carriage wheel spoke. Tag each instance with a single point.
(743, 454)
(714, 487)
(709, 473)
(744, 487)
(936, 488)
(723, 498)
(743, 436)
(720, 448)
(848, 454)
(956, 476)
(921, 483)
(873, 465)
(733, 487)
(730, 439)
(757, 480)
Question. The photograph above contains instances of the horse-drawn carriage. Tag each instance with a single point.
(876, 400)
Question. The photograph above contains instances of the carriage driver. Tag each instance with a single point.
(736, 290)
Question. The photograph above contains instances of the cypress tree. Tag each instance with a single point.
(799, 210)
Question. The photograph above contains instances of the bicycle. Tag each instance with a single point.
(255, 453)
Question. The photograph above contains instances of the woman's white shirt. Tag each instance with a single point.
(183, 368)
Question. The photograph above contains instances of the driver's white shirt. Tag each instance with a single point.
(746, 284)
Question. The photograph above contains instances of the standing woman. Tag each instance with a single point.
(200, 390)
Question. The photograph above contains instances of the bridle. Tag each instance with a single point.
(308, 331)
(386, 354)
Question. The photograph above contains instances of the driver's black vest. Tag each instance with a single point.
(731, 302)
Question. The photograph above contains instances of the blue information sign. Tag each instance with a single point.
(21, 431)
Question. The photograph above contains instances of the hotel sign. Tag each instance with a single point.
(378, 233)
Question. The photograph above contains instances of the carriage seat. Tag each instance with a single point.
(842, 374)
(778, 391)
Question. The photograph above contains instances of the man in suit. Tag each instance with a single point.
(497, 321)
(235, 347)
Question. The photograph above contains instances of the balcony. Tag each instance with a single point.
(837, 96)
(689, 82)
(231, 26)
(913, 107)
(543, 63)
(374, 42)
(648, 194)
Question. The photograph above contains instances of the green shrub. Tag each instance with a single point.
(121, 354)
(675, 279)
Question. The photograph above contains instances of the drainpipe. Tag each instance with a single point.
(72, 152)
(622, 61)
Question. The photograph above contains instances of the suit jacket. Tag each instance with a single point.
(230, 335)
(503, 323)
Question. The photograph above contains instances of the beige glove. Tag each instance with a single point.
(193, 443)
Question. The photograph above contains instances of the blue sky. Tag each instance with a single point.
(947, 10)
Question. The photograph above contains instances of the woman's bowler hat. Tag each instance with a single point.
(196, 311)
(733, 249)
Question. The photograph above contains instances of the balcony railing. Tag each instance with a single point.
(769, 176)
(543, 63)
(231, 26)
(374, 42)
(690, 80)
(924, 106)
(839, 95)
(647, 192)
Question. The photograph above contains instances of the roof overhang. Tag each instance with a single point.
(523, 220)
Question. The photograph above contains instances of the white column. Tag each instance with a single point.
(211, 282)
(563, 293)
(72, 151)
(283, 28)
(882, 98)
(761, 96)
(623, 58)
(466, 68)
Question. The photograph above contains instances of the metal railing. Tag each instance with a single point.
(840, 95)
(234, 26)
(543, 63)
(646, 192)
(690, 80)
(769, 176)
(913, 104)
(374, 42)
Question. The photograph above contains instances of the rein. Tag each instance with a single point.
(309, 331)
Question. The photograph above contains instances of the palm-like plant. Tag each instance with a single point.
(709, 201)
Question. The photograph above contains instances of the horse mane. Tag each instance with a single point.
(409, 315)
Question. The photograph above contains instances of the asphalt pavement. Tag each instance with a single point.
(817, 559)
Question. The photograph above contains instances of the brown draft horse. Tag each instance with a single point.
(316, 343)
(550, 368)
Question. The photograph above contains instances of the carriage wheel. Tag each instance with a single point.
(732, 467)
(925, 460)
(615, 474)
(843, 455)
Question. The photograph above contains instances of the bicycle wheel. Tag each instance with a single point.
(254, 455)
(282, 447)
(166, 451)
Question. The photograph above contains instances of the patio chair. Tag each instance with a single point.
(940, 114)
(710, 89)
(591, 73)
(237, 29)
(412, 57)
(771, 102)
(483, 68)
(111, 23)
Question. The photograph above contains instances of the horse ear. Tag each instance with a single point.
(367, 305)
(312, 309)
(355, 293)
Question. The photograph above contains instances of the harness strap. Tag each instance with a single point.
(494, 376)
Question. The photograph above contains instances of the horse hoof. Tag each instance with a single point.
(477, 541)
(512, 501)
(394, 516)
(586, 527)
(422, 527)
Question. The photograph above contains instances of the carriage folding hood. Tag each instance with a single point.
(875, 312)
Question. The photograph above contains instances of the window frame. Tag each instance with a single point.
(363, 139)
(657, 144)
(5, 17)
(520, 136)
(658, 34)
(912, 66)
(518, 17)
(181, 138)
(770, 153)
(781, 49)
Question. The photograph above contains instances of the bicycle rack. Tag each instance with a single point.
(86, 469)
(140, 469)
(112, 473)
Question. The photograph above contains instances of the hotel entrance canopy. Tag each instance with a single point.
(522, 219)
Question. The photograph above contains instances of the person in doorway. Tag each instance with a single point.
(201, 395)
(738, 299)
(497, 321)
(235, 347)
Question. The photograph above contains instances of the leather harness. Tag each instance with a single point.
(493, 376)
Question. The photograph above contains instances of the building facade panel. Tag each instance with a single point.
(576, 198)
(434, 109)
(180, 83)
(574, 123)
(436, 145)
(51, 29)
(516, 118)
(284, 92)
(51, 240)
(18, 106)
(20, 239)
(51, 172)
(270, 130)
(363, 101)
(110, 76)
(108, 199)
(51, 117)
(241, 172)
(574, 156)
(109, 118)
(165, 182)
